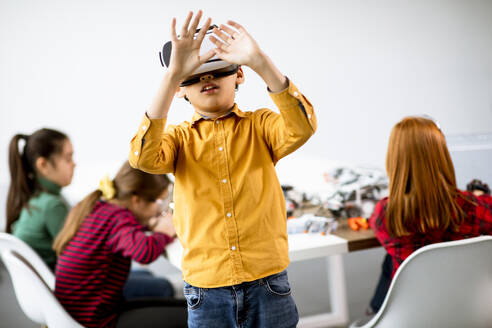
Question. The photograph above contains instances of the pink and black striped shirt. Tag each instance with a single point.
(91, 271)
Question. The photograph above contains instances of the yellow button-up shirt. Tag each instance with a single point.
(229, 209)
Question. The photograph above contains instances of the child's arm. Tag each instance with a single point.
(153, 150)
(128, 238)
(283, 133)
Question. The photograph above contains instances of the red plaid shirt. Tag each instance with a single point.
(478, 221)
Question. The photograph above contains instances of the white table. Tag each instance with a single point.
(304, 247)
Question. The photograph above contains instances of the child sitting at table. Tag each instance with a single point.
(101, 236)
(35, 208)
(424, 205)
(41, 164)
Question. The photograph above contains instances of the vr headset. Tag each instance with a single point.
(214, 66)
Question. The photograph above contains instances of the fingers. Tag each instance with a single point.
(167, 216)
(224, 37)
(203, 30)
(218, 44)
(235, 25)
(184, 28)
(221, 54)
(229, 30)
(196, 20)
(174, 37)
(206, 56)
(152, 221)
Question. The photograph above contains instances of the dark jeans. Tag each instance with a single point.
(383, 284)
(262, 303)
(142, 283)
(153, 313)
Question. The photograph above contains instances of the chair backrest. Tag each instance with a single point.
(8, 241)
(447, 284)
(35, 298)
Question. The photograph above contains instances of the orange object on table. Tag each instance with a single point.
(357, 223)
(363, 222)
(352, 223)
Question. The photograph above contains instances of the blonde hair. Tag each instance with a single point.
(422, 189)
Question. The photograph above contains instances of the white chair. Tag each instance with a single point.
(35, 298)
(8, 241)
(447, 284)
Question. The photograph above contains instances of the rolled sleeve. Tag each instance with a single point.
(291, 102)
(296, 123)
(151, 149)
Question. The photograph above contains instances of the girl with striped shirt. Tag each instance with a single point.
(101, 236)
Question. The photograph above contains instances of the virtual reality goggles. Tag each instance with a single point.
(229, 70)
(215, 67)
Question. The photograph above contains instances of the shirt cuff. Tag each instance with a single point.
(153, 127)
(271, 92)
(292, 98)
(288, 97)
(163, 239)
(148, 129)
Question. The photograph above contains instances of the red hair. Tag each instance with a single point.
(422, 190)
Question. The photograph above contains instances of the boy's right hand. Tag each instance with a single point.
(185, 59)
(185, 53)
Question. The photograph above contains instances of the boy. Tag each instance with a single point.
(229, 208)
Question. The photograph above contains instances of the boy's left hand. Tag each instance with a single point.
(236, 46)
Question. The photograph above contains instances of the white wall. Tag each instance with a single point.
(90, 68)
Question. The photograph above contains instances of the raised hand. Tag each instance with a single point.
(185, 53)
(235, 45)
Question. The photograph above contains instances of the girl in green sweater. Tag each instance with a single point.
(35, 209)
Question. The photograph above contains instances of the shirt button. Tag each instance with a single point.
(233, 248)
(229, 214)
(144, 127)
(220, 148)
(136, 153)
(309, 116)
(224, 181)
(296, 93)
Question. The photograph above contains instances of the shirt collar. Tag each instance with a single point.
(49, 186)
(235, 110)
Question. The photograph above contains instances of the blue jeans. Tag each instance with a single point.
(262, 303)
(383, 284)
(141, 283)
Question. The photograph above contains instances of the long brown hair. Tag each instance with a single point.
(128, 182)
(22, 164)
(422, 189)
